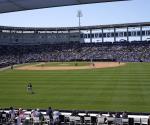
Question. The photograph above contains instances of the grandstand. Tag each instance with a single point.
(22, 45)
(101, 33)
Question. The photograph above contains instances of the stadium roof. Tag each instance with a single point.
(19, 5)
(76, 28)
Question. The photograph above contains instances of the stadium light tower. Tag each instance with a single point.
(79, 15)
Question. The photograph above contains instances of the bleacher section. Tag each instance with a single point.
(121, 52)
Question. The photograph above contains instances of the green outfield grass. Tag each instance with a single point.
(125, 88)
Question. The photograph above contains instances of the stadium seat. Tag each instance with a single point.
(46, 119)
(131, 121)
(137, 121)
(67, 119)
(75, 120)
(87, 120)
(144, 121)
(125, 121)
(118, 121)
(4, 118)
(94, 120)
(71, 118)
(100, 120)
(110, 120)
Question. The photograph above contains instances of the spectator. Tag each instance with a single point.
(117, 115)
(56, 119)
(12, 114)
(124, 115)
(49, 112)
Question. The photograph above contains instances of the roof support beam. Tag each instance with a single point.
(20, 5)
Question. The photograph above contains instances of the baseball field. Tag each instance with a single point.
(78, 85)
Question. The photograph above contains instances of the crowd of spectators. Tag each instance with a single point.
(21, 116)
(15, 54)
(51, 116)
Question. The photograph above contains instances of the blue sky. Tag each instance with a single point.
(93, 14)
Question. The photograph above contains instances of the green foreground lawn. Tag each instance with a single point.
(125, 88)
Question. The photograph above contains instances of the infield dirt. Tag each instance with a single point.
(41, 66)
